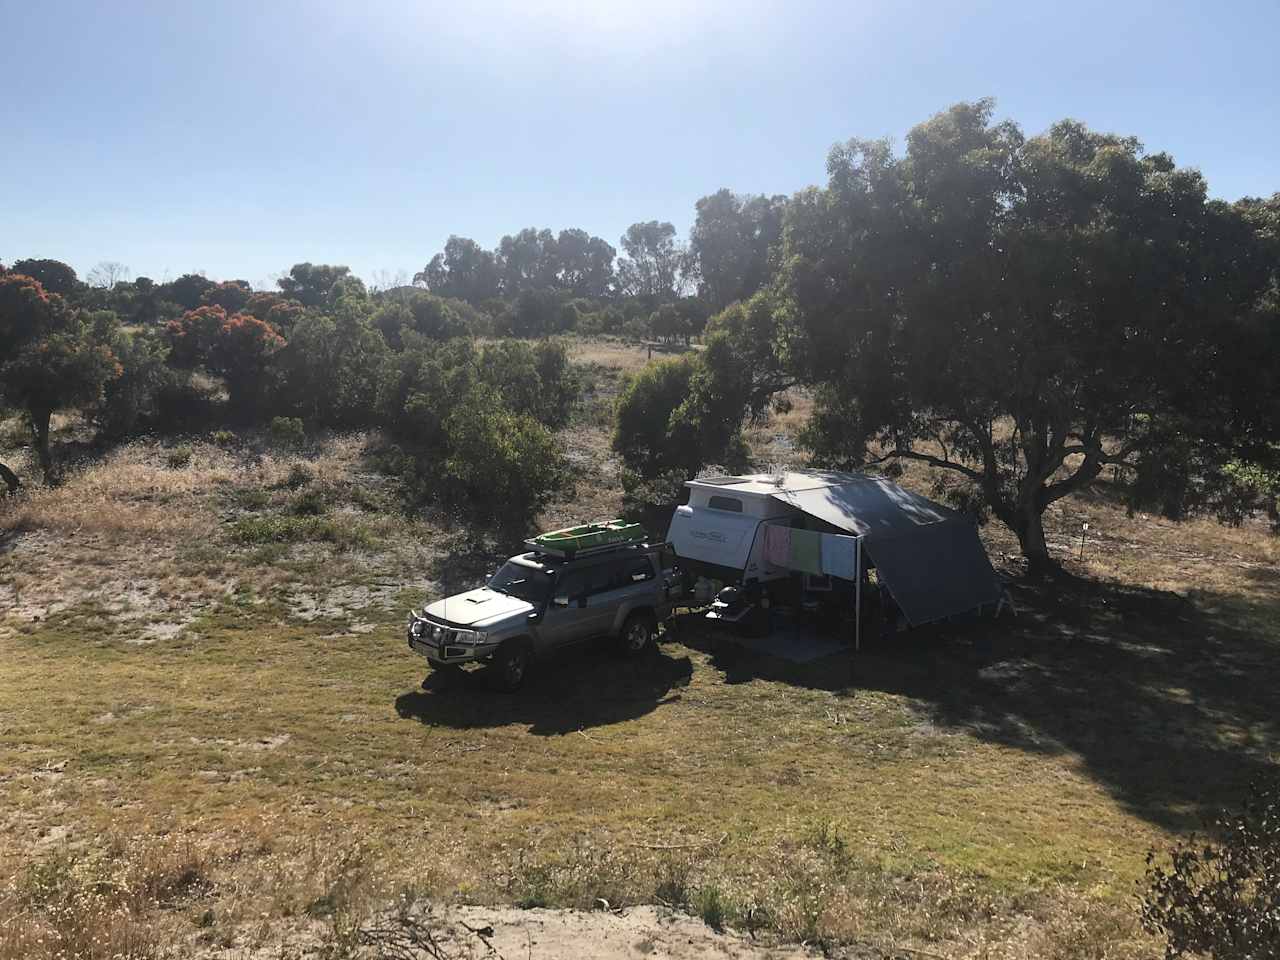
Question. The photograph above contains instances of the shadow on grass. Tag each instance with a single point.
(9, 538)
(1167, 704)
(740, 664)
(589, 687)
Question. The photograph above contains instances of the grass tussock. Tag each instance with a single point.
(345, 534)
(98, 906)
(818, 890)
(132, 493)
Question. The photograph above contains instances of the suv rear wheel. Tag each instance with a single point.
(510, 664)
(638, 634)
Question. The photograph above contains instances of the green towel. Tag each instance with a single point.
(806, 551)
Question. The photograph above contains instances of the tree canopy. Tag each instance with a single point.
(51, 357)
(656, 265)
(730, 243)
(313, 284)
(1023, 312)
(54, 276)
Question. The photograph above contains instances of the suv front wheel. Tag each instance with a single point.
(638, 634)
(510, 664)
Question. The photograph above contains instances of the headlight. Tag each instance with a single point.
(415, 628)
(479, 636)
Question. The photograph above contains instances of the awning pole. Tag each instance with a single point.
(857, 601)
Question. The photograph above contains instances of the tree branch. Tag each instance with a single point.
(1085, 474)
(972, 474)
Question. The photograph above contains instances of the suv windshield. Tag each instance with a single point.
(522, 582)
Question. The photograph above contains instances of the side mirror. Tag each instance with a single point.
(561, 601)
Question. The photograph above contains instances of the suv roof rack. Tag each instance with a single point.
(588, 539)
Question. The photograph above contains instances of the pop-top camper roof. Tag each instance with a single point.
(928, 554)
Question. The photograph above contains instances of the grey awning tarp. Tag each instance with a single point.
(937, 571)
(869, 507)
(927, 554)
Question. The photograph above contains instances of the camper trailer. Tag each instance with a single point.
(800, 534)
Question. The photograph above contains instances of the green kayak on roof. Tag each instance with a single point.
(572, 540)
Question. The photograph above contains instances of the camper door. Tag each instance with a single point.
(713, 536)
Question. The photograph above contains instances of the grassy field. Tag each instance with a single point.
(203, 677)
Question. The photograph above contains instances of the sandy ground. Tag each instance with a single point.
(477, 933)
(650, 932)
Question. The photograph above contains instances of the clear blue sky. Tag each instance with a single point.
(239, 138)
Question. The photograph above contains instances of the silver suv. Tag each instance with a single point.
(538, 604)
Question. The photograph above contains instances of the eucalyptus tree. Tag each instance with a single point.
(730, 243)
(1022, 312)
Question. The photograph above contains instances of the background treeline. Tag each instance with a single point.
(443, 365)
(1023, 314)
(470, 422)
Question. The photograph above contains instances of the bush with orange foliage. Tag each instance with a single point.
(236, 347)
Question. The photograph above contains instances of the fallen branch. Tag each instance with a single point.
(679, 846)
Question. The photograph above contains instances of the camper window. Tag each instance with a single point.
(732, 504)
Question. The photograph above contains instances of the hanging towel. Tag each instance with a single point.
(839, 556)
(806, 551)
(777, 545)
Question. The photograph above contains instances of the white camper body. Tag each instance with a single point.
(719, 534)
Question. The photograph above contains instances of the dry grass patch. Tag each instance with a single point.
(616, 354)
(132, 493)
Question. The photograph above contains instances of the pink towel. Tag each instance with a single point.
(777, 545)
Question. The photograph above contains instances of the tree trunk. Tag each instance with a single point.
(1030, 531)
(40, 439)
(10, 480)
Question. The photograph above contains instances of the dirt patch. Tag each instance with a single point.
(341, 601)
(638, 933)
(651, 932)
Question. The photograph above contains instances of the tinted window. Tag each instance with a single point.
(732, 504)
(602, 577)
(637, 569)
(522, 582)
(572, 584)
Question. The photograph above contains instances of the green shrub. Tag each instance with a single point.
(372, 501)
(1221, 897)
(330, 369)
(250, 498)
(184, 403)
(130, 399)
(501, 465)
(672, 882)
(224, 438)
(288, 431)
(308, 503)
(299, 476)
(179, 458)
(712, 907)
(294, 529)
(644, 435)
